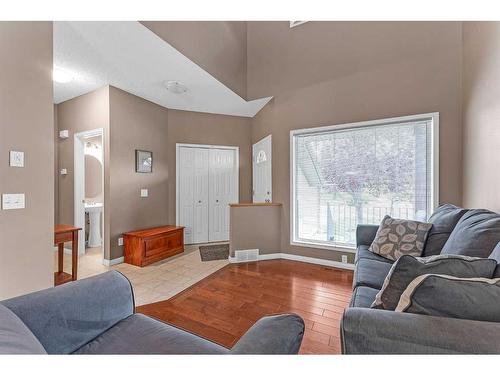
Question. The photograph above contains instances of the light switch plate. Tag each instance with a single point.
(16, 159)
(64, 171)
(13, 201)
(63, 134)
(144, 193)
(344, 258)
(120, 241)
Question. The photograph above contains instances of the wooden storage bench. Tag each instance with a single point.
(146, 246)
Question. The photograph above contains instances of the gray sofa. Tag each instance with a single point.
(96, 316)
(371, 331)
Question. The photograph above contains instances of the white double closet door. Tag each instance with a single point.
(207, 184)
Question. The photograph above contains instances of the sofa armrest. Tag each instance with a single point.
(371, 331)
(278, 334)
(67, 317)
(365, 234)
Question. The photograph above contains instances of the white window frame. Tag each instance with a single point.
(432, 117)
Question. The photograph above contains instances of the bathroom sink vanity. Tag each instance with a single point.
(94, 211)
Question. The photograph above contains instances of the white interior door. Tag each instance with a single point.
(186, 192)
(262, 170)
(222, 192)
(207, 182)
(193, 193)
(200, 195)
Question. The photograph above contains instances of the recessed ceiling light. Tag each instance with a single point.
(62, 76)
(176, 87)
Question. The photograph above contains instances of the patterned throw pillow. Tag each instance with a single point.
(397, 237)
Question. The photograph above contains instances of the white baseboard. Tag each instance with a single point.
(112, 262)
(323, 262)
(300, 258)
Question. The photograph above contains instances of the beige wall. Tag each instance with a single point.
(255, 227)
(320, 74)
(339, 72)
(133, 123)
(481, 108)
(26, 124)
(86, 112)
(139, 124)
(209, 129)
(219, 47)
(136, 124)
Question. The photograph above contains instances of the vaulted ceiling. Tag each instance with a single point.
(130, 56)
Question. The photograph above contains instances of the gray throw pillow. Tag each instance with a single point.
(15, 337)
(407, 268)
(475, 235)
(397, 237)
(495, 254)
(443, 220)
(453, 297)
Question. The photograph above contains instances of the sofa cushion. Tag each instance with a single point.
(96, 304)
(396, 237)
(452, 297)
(369, 272)
(365, 234)
(407, 268)
(140, 334)
(362, 252)
(275, 334)
(15, 337)
(363, 296)
(495, 254)
(443, 220)
(476, 234)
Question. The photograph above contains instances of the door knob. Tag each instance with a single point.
(199, 201)
(217, 201)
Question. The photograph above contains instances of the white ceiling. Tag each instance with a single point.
(129, 56)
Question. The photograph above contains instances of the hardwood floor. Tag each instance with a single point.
(223, 306)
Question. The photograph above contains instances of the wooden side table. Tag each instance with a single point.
(65, 233)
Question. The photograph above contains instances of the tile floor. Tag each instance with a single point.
(156, 282)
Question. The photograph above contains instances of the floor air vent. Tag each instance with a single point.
(247, 255)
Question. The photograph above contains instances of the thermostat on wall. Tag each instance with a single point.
(64, 171)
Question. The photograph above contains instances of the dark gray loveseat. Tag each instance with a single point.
(370, 331)
(96, 316)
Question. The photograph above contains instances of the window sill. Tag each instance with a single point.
(315, 245)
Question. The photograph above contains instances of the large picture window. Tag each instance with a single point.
(357, 173)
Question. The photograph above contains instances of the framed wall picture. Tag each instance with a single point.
(143, 161)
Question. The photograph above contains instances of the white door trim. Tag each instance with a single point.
(177, 166)
(79, 184)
